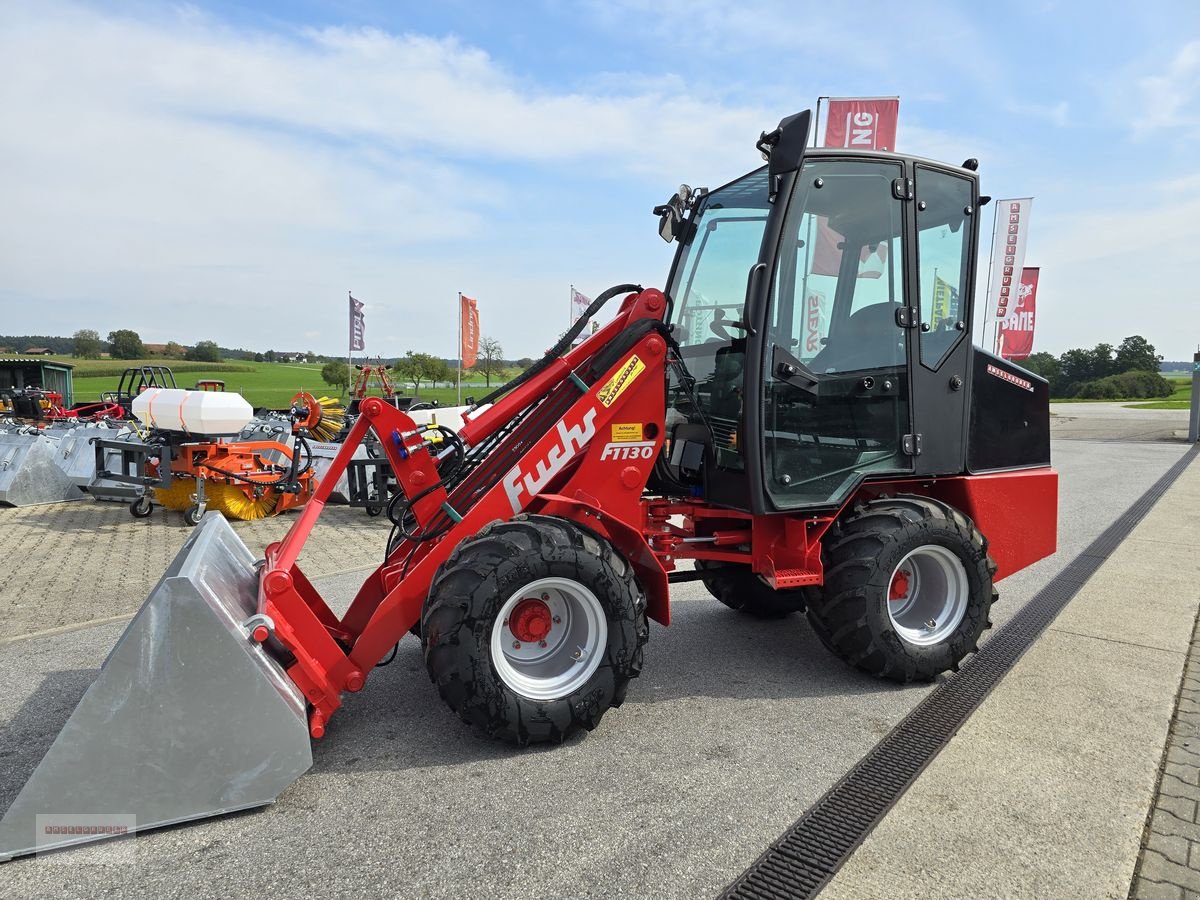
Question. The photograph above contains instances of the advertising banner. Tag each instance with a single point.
(1008, 254)
(358, 328)
(1016, 332)
(469, 338)
(862, 123)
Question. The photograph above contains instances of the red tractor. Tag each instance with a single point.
(799, 421)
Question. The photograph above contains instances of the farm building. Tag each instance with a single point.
(47, 374)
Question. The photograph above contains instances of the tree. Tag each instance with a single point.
(1047, 366)
(204, 351)
(1077, 366)
(524, 363)
(126, 344)
(175, 351)
(421, 368)
(1104, 362)
(269, 356)
(87, 344)
(491, 360)
(258, 357)
(1136, 354)
(336, 374)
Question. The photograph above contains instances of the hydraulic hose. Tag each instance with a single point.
(563, 344)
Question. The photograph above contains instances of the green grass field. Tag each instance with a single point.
(1181, 399)
(262, 384)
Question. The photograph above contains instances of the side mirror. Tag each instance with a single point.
(670, 214)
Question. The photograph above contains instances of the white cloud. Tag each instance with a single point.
(175, 175)
(1168, 100)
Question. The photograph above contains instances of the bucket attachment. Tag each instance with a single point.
(188, 717)
(29, 471)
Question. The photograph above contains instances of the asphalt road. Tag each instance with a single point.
(734, 728)
(1116, 422)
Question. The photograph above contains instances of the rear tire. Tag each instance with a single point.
(574, 592)
(740, 589)
(908, 589)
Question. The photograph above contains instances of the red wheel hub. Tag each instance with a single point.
(530, 620)
(900, 586)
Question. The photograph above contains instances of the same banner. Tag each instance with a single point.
(358, 327)
(1008, 253)
(1015, 339)
(862, 123)
(469, 331)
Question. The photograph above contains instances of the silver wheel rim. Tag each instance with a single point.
(928, 595)
(567, 654)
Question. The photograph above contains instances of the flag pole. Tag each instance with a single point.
(571, 308)
(350, 345)
(460, 349)
(987, 293)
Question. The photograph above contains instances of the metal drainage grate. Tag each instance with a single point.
(809, 853)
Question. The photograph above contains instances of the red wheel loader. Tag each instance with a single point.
(801, 415)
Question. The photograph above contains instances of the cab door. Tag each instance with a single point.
(835, 346)
(942, 262)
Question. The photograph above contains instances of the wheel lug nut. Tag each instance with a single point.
(558, 620)
(545, 597)
(541, 643)
(516, 645)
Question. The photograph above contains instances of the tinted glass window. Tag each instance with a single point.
(942, 249)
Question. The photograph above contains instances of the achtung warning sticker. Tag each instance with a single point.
(624, 378)
(627, 431)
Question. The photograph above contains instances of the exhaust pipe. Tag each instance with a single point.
(188, 717)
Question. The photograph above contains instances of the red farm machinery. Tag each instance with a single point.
(799, 421)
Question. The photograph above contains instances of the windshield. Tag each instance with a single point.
(708, 294)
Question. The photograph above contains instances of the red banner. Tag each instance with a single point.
(469, 334)
(1016, 331)
(859, 123)
(358, 327)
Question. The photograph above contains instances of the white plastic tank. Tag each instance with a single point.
(196, 412)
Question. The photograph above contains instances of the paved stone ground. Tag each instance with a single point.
(65, 564)
(1169, 868)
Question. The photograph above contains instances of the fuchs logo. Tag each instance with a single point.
(571, 439)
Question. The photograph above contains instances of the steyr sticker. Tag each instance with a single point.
(627, 431)
(618, 383)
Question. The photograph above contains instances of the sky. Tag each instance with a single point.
(229, 171)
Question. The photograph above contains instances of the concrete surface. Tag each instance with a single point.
(1116, 422)
(1046, 789)
(734, 729)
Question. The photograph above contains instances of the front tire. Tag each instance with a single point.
(908, 589)
(533, 628)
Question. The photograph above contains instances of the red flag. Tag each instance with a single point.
(860, 123)
(358, 328)
(469, 337)
(1016, 332)
(863, 124)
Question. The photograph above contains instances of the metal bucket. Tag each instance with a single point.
(76, 456)
(322, 459)
(188, 717)
(29, 471)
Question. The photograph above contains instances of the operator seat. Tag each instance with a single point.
(870, 339)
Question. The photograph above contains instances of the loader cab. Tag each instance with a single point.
(823, 324)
